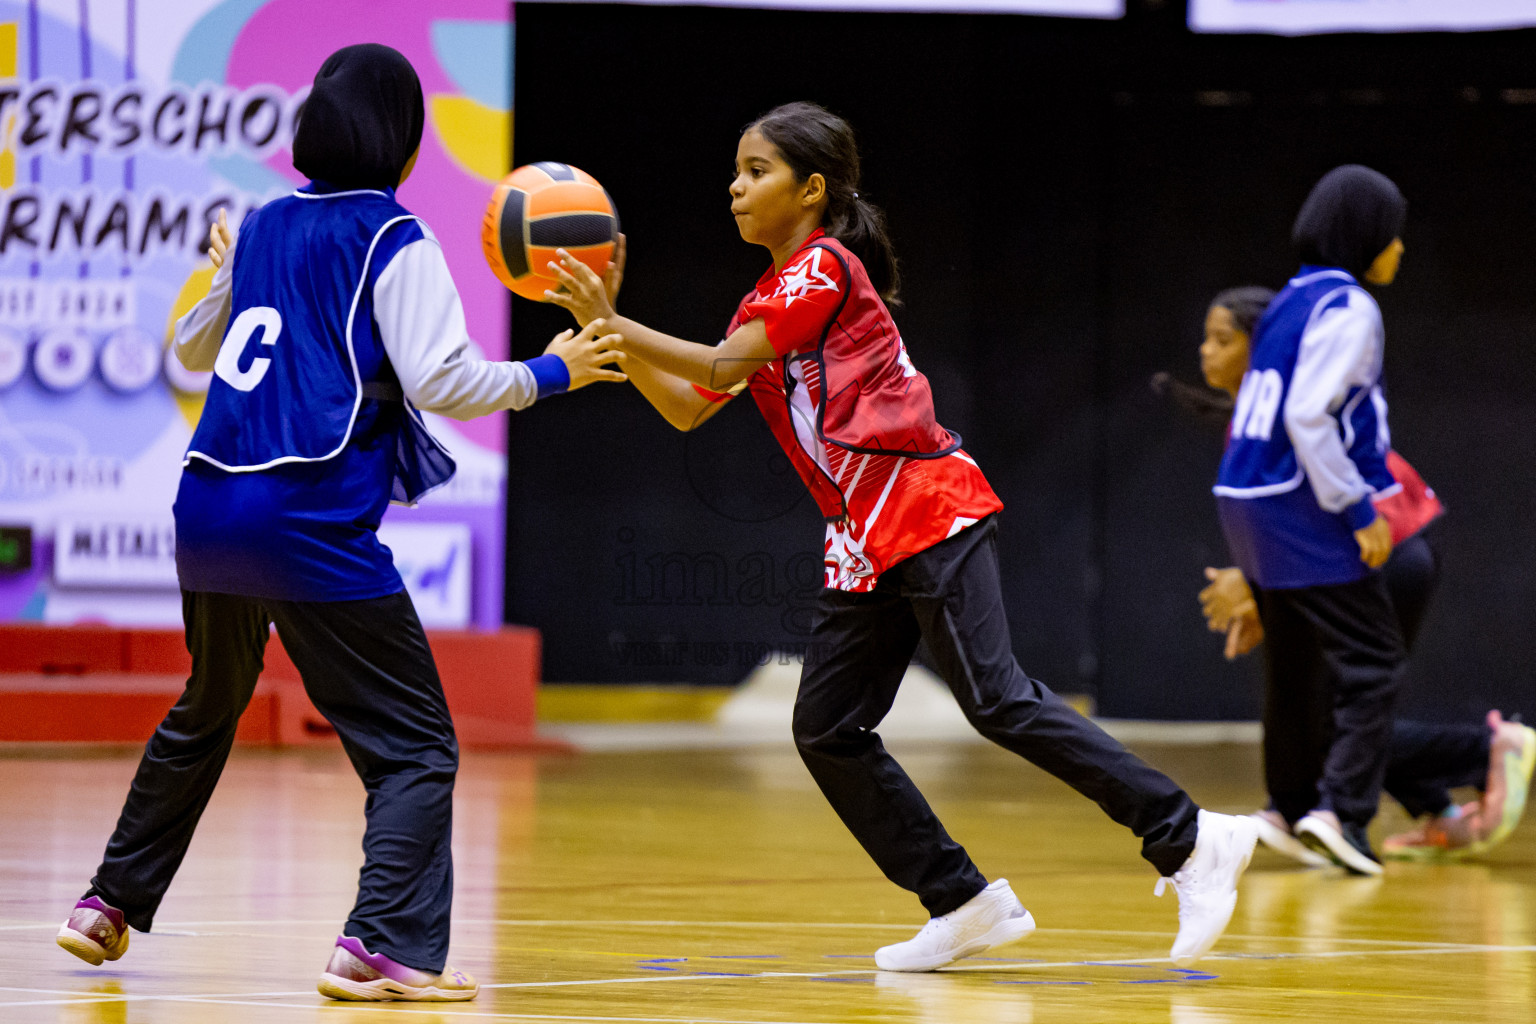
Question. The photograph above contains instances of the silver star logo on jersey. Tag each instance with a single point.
(805, 277)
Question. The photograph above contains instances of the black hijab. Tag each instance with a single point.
(1352, 214)
(363, 119)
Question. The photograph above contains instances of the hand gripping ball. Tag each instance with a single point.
(540, 208)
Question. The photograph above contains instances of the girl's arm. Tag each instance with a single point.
(1339, 352)
(679, 402)
(200, 331)
(716, 367)
(421, 324)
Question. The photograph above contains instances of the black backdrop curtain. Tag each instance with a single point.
(1066, 197)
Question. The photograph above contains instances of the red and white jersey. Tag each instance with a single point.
(855, 417)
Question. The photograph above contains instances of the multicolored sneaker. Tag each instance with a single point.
(95, 931)
(1452, 835)
(1511, 761)
(355, 973)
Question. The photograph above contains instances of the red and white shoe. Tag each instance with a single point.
(95, 931)
(354, 973)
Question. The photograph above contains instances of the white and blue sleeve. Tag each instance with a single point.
(1340, 352)
(200, 330)
(421, 323)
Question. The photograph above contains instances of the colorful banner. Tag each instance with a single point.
(125, 125)
(1059, 8)
(1306, 17)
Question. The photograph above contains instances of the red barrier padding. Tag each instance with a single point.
(110, 708)
(53, 650)
(92, 683)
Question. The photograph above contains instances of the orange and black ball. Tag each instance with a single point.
(542, 207)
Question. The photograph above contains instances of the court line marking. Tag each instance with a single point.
(184, 929)
(408, 1008)
(1022, 965)
(435, 1009)
(238, 999)
(129, 997)
(439, 1009)
(493, 1015)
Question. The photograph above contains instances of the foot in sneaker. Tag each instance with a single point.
(1207, 883)
(1346, 845)
(1511, 762)
(355, 973)
(990, 918)
(1447, 836)
(1275, 833)
(95, 931)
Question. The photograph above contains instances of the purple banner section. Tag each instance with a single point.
(141, 122)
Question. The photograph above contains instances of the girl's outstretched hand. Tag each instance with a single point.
(586, 354)
(219, 239)
(585, 294)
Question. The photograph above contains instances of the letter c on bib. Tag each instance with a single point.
(264, 318)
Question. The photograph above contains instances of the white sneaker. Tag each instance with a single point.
(1277, 835)
(990, 918)
(1346, 845)
(1207, 883)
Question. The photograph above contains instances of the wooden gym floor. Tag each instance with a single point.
(715, 886)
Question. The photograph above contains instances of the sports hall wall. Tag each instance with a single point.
(1066, 197)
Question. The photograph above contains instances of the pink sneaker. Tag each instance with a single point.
(95, 931)
(355, 973)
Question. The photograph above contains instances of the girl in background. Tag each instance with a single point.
(1425, 760)
(1305, 454)
(910, 549)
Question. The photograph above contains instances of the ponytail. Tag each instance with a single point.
(812, 140)
(860, 225)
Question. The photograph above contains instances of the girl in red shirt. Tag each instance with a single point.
(910, 549)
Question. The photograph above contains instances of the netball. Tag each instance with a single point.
(539, 208)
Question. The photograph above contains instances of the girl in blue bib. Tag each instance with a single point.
(331, 323)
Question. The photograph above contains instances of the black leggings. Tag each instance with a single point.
(1333, 659)
(367, 668)
(861, 645)
(1424, 760)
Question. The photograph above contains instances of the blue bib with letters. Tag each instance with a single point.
(302, 350)
(1278, 533)
(306, 436)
